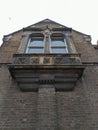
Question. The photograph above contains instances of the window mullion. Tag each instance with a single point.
(47, 43)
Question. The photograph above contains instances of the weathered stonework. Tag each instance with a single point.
(48, 108)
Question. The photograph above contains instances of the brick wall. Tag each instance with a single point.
(17, 109)
(77, 110)
(48, 109)
(84, 47)
(9, 47)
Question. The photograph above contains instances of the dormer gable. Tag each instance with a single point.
(47, 24)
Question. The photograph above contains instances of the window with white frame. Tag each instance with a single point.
(36, 44)
(58, 44)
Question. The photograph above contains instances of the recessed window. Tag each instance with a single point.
(36, 44)
(58, 44)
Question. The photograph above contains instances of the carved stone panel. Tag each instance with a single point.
(65, 60)
(46, 60)
(22, 60)
(61, 60)
(34, 60)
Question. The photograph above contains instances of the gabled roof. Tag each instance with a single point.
(43, 24)
(47, 23)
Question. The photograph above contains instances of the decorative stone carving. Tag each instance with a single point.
(61, 60)
(34, 60)
(65, 60)
(21, 60)
(46, 79)
(46, 60)
(57, 60)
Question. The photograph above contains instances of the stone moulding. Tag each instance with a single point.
(32, 77)
(46, 59)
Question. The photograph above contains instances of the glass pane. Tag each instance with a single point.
(36, 42)
(58, 50)
(57, 42)
(35, 50)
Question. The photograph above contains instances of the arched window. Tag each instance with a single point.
(36, 44)
(58, 44)
(55, 43)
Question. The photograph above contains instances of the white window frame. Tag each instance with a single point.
(65, 43)
(36, 47)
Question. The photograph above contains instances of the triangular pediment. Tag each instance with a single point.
(47, 23)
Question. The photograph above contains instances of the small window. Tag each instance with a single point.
(36, 44)
(58, 44)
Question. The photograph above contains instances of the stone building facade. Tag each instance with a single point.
(48, 79)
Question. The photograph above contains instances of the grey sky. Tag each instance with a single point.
(81, 15)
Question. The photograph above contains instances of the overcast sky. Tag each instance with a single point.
(81, 15)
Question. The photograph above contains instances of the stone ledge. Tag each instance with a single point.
(46, 59)
(32, 77)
